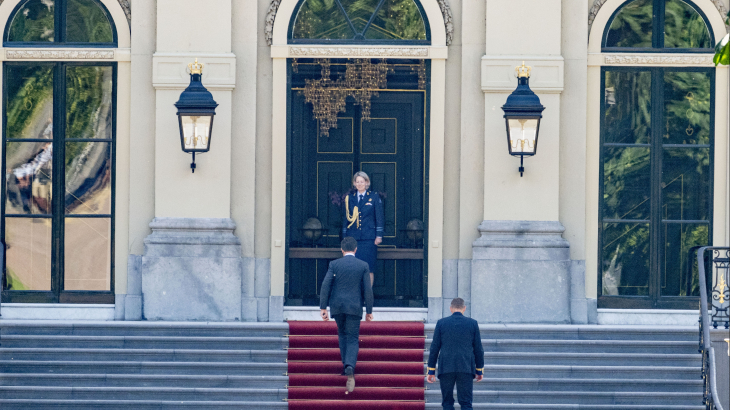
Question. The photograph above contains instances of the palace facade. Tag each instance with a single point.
(102, 217)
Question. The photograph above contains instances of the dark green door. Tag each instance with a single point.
(390, 148)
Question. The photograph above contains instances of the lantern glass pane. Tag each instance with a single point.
(522, 135)
(196, 131)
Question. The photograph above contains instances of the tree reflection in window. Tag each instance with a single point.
(36, 22)
(359, 20)
(671, 24)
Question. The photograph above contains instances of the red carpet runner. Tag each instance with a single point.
(389, 373)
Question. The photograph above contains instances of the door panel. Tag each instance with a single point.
(390, 149)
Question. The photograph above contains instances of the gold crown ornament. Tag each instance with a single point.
(197, 68)
(523, 71)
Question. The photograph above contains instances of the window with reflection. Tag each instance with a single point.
(58, 139)
(658, 26)
(359, 21)
(656, 176)
(60, 22)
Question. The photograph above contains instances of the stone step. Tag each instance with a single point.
(140, 393)
(144, 355)
(595, 385)
(133, 367)
(584, 332)
(25, 404)
(146, 342)
(592, 372)
(142, 380)
(579, 397)
(586, 346)
(143, 328)
(591, 359)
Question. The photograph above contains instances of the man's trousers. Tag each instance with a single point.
(348, 331)
(464, 388)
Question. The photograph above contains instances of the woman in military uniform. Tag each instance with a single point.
(364, 220)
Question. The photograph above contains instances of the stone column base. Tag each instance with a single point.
(521, 273)
(191, 270)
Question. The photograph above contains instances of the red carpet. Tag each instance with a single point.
(389, 373)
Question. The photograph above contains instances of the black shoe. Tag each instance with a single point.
(350, 373)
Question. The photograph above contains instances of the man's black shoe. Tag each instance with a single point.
(350, 373)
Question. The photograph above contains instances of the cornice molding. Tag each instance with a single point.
(358, 51)
(46, 54)
(597, 4)
(691, 60)
(274, 8)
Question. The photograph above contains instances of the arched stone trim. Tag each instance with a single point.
(597, 4)
(274, 7)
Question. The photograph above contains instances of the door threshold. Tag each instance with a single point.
(379, 313)
(56, 311)
(663, 317)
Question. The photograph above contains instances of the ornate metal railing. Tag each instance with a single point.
(719, 264)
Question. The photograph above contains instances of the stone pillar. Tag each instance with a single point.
(520, 267)
(191, 270)
(521, 273)
(192, 267)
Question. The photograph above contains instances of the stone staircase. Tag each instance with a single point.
(142, 365)
(166, 365)
(586, 367)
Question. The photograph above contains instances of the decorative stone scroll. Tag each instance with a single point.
(270, 17)
(695, 60)
(358, 52)
(274, 7)
(59, 54)
(597, 4)
(448, 20)
(127, 7)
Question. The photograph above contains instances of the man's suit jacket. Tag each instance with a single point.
(371, 218)
(457, 345)
(346, 287)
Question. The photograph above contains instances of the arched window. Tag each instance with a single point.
(366, 21)
(59, 130)
(658, 26)
(656, 158)
(69, 22)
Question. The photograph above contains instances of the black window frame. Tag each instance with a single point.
(355, 40)
(59, 32)
(656, 146)
(57, 294)
(657, 40)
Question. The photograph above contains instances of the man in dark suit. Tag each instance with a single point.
(457, 345)
(345, 288)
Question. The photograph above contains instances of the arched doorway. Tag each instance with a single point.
(410, 106)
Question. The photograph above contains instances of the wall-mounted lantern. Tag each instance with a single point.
(195, 111)
(522, 114)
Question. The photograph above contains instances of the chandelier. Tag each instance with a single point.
(362, 81)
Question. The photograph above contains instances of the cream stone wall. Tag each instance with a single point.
(179, 192)
(264, 111)
(572, 204)
(507, 196)
(471, 157)
(452, 139)
(141, 167)
(245, 34)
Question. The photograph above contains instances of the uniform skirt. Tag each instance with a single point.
(367, 251)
